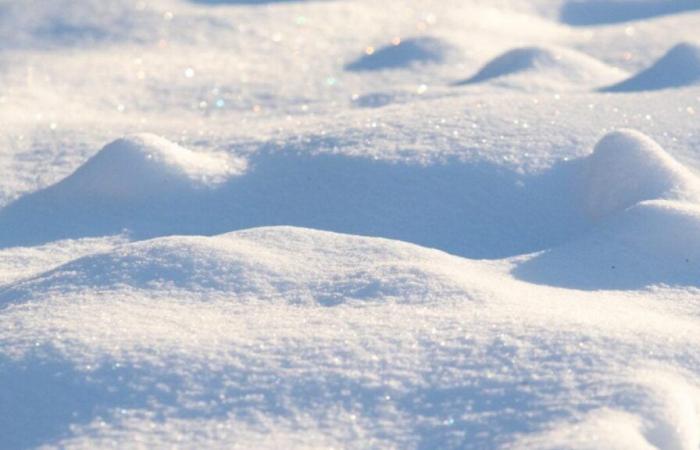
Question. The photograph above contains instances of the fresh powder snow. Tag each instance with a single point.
(311, 224)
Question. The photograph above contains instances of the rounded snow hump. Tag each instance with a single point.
(627, 167)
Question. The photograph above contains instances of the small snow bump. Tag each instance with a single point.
(627, 167)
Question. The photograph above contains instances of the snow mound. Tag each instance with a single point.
(474, 209)
(279, 264)
(546, 63)
(401, 54)
(137, 182)
(627, 167)
(658, 410)
(679, 67)
(374, 100)
(598, 12)
(143, 164)
(239, 2)
(652, 243)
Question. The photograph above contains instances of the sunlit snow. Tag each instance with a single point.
(290, 224)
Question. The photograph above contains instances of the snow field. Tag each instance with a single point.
(345, 224)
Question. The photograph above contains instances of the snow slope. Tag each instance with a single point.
(294, 224)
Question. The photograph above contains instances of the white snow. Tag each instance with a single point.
(627, 167)
(349, 224)
(552, 65)
(143, 165)
(400, 54)
(680, 66)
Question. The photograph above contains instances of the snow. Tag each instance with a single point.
(596, 12)
(401, 53)
(550, 64)
(349, 224)
(627, 167)
(153, 166)
(680, 66)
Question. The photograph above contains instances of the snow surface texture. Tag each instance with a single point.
(349, 224)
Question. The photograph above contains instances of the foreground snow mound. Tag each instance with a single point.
(627, 167)
(401, 54)
(283, 264)
(545, 64)
(679, 67)
(653, 243)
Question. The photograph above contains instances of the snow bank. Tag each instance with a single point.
(546, 63)
(679, 67)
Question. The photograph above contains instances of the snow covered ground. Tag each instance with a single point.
(454, 224)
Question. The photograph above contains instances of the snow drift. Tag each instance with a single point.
(543, 65)
(466, 208)
(647, 210)
(134, 182)
(281, 264)
(145, 165)
(627, 167)
(202, 337)
(599, 12)
(471, 209)
(652, 243)
(402, 54)
(679, 67)
(574, 326)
